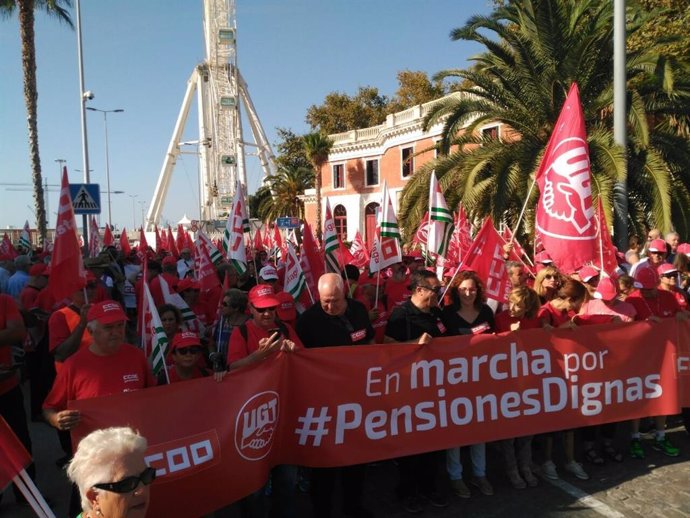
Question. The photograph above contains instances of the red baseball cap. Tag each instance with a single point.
(286, 310)
(185, 339)
(683, 248)
(665, 268)
(187, 284)
(262, 296)
(543, 257)
(606, 289)
(657, 245)
(646, 278)
(106, 312)
(587, 273)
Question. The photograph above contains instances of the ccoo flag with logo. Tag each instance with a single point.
(156, 339)
(25, 237)
(386, 250)
(440, 220)
(565, 221)
(295, 281)
(233, 237)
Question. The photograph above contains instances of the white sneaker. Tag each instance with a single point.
(575, 468)
(548, 469)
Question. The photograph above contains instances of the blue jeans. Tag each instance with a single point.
(477, 456)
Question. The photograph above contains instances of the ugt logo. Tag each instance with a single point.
(567, 193)
(256, 424)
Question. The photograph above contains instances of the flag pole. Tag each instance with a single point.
(378, 278)
(32, 495)
(522, 212)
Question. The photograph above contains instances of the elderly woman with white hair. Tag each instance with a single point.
(109, 470)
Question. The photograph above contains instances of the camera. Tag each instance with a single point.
(89, 95)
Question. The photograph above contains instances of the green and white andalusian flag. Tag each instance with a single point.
(295, 281)
(214, 253)
(440, 220)
(386, 250)
(233, 237)
(25, 237)
(189, 319)
(330, 241)
(155, 335)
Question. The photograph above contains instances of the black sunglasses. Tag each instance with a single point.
(129, 484)
(669, 275)
(188, 350)
(264, 310)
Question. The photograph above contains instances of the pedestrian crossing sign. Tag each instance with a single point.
(86, 198)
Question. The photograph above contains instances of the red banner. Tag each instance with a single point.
(348, 405)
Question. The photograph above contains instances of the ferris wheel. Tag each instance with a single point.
(221, 92)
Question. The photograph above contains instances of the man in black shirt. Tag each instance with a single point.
(336, 320)
(418, 319)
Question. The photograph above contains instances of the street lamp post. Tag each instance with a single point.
(134, 217)
(107, 159)
(143, 206)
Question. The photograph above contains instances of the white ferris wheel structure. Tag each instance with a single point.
(220, 92)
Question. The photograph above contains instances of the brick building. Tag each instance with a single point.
(361, 160)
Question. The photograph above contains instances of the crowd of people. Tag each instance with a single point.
(89, 345)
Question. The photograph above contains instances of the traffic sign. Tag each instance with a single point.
(288, 222)
(86, 198)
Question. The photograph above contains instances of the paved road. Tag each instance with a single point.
(655, 487)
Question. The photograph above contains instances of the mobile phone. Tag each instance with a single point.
(275, 330)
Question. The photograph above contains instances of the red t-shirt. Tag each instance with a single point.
(174, 377)
(663, 305)
(239, 348)
(550, 315)
(86, 375)
(396, 292)
(8, 313)
(504, 320)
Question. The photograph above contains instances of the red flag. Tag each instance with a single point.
(67, 273)
(181, 241)
(343, 254)
(517, 249)
(108, 238)
(305, 297)
(360, 254)
(268, 242)
(13, 455)
(7, 248)
(124, 243)
(171, 244)
(311, 259)
(565, 215)
(188, 243)
(607, 251)
(277, 238)
(164, 240)
(143, 244)
(485, 257)
(159, 241)
(420, 237)
(205, 273)
(464, 232)
(258, 242)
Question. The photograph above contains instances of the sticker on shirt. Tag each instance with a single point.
(477, 330)
(131, 378)
(440, 326)
(358, 335)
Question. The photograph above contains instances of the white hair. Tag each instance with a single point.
(94, 460)
(331, 281)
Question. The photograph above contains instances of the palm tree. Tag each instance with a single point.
(25, 9)
(521, 80)
(287, 185)
(317, 147)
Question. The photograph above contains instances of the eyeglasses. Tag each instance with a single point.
(264, 310)
(548, 277)
(129, 484)
(669, 275)
(435, 289)
(188, 350)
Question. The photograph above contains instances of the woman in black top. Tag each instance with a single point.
(468, 314)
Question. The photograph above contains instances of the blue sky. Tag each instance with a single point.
(139, 54)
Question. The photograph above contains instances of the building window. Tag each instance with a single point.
(340, 220)
(407, 162)
(339, 176)
(372, 172)
(370, 217)
(491, 132)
